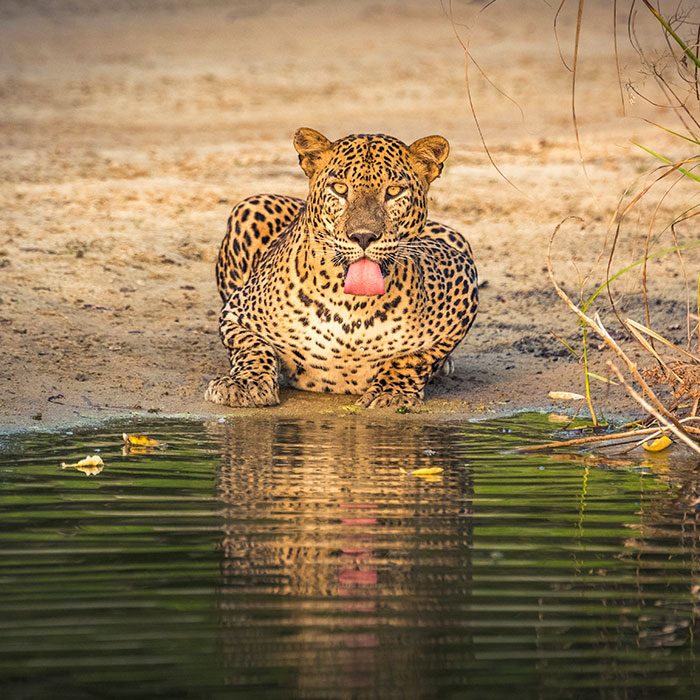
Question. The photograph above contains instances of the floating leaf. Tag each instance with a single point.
(427, 471)
(94, 461)
(90, 466)
(565, 396)
(657, 445)
(140, 440)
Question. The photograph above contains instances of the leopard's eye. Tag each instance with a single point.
(340, 188)
(394, 191)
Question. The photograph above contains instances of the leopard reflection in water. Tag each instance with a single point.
(328, 519)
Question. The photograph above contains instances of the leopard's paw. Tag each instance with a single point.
(380, 398)
(242, 392)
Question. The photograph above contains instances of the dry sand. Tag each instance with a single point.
(130, 128)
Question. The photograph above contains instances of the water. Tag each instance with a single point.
(288, 558)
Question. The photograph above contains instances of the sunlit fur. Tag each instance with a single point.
(368, 166)
(283, 262)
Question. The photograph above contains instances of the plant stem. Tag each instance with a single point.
(669, 29)
(675, 166)
(587, 378)
(597, 438)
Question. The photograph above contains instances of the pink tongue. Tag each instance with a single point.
(364, 278)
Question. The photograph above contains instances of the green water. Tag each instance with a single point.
(289, 558)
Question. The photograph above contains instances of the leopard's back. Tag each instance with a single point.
(253, 226)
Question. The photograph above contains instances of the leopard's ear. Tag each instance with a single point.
(311, 147)
(429, 153)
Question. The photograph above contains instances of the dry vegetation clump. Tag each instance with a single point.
(661, 375)
(683, 378)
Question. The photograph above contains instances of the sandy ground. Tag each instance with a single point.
(129, 132)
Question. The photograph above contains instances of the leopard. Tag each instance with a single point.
(353, 290)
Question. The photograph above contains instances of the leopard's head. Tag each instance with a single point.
(368, 194)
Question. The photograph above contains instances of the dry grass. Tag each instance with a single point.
(665, 382)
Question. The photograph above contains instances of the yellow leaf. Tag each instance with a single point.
(427, 471)
(140, 440)
(90, 466)
(94, 461)
(657, 445)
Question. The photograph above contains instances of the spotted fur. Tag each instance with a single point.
(282, 265)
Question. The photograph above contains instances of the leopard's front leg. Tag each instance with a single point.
(401, 381)
(254, 376)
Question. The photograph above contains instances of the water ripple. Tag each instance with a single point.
(289, 558)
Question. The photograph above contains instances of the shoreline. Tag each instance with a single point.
(294, 408)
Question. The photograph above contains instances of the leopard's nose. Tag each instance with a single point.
(363, 237)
